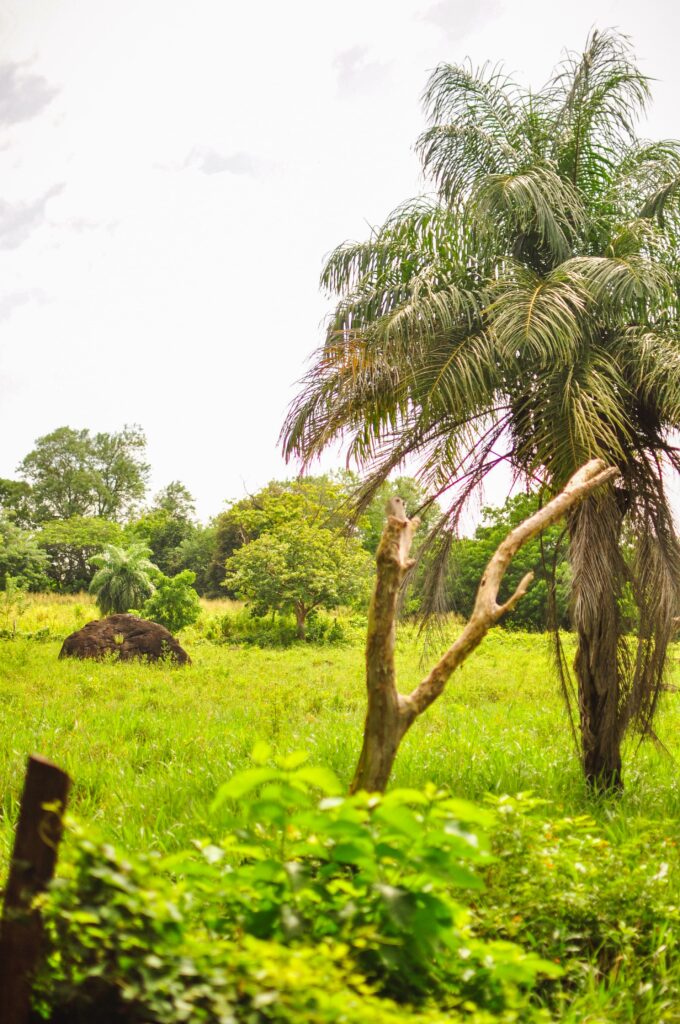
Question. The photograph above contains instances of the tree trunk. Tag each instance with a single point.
(301, 619)
(597, 566)
(383, 732)
(385, 723)
(598, 697)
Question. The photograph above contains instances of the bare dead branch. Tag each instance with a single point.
(389, 713)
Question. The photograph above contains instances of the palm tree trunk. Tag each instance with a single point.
(598, 702)
(595, 531)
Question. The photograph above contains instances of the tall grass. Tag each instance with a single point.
(148, 745)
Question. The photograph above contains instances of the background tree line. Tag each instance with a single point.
(79, 493)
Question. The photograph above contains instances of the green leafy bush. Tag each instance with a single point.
(386, 875)
(274, 631)
(598, 904)
(310, 909)
(126, 947)
(174, 603)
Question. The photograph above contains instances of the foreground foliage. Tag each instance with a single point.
(606, 906)
(303, 905)
(364, 895)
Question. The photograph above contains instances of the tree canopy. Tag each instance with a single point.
(76, 473)
(124, 579)
(299, 559)
(22, 558)
(544, 556)
(70, 546)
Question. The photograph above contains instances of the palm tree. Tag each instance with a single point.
(526, 312)
(124, 579)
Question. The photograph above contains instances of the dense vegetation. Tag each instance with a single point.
(323, 568)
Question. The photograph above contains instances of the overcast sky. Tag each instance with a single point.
(173, 173)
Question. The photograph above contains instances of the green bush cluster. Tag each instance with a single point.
(313, 908)
(174, 603)
(604, 906)
(273, 631)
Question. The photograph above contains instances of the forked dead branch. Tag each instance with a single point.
(390, 713)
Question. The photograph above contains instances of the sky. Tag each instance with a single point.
(173, 174)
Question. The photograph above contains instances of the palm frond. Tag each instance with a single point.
(599, 96)
(475, 125)
(536, 320)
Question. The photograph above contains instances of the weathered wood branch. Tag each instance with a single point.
(390, 714)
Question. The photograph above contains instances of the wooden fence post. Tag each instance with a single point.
(33, 861)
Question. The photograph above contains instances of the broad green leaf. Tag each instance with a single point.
(466, 811)
(320, 777)
(292, 761)
(401, 819)
(261, 753)
(242, 784)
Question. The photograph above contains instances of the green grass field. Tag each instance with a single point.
(147, 746)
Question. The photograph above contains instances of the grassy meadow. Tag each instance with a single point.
(148, 745)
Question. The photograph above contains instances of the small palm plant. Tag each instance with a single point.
(124, 579)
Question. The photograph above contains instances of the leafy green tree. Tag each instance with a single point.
(298, 566)
(177, 500)
(227, 538)
(320, 499)
(76, 473)
(16, 502)
(166, 526)
(21, 558)
(174, 603)
(124, 579)
(196, 552)
(546, 557)
(70, 546)
(527, 312)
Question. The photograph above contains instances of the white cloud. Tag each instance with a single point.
(23, 94)
(458, 18)
(357, 71)
(209, 161)
(19, 220)
(12, 300)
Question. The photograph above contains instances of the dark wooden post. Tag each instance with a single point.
(33, 860)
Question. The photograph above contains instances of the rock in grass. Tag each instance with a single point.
(125, 636)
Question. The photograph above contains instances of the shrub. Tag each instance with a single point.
(13, 604)
(598, 904)
(311, 911)
(274, 631)
(174, 603)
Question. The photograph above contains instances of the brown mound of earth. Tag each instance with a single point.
(124, 635)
